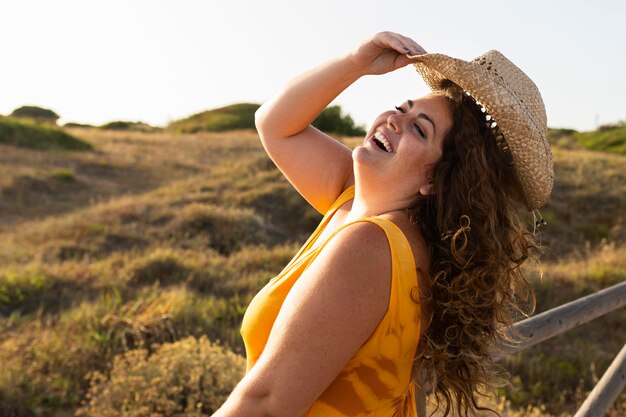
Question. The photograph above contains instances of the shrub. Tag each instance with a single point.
(36, 113)
(331, 120)
(223, 229)
(133, 126)
(162, 266)
(186, 378)
(17, 288)
(63, 174)
(81, 125)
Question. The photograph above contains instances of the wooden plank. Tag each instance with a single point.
(553, 322)
(607, 389)
(421, 388)
(420, 401)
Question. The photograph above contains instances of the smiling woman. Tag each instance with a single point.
(414, 269)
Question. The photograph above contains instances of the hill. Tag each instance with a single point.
(122, 259)
(30, 134)
(607, 138)
(241, 116)
(236, 116)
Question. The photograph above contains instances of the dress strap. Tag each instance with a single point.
(345, 196)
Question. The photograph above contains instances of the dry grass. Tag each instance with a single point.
(588, 203)
(152, 238)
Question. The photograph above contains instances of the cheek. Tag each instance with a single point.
(423, 159)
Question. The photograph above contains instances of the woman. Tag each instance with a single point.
(420, 241)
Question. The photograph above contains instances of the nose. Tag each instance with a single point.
(395, 122)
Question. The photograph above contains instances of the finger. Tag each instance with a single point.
(409, 46)
(397, 42)
(413, 47)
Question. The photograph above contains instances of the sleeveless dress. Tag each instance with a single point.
(376, 381)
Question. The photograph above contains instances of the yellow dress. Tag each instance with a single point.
(376, 381)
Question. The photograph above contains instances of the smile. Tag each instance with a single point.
(382, 142)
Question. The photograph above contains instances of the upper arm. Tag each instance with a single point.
(330, 312)
(318, 166)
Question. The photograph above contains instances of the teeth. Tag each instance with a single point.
(383, 140)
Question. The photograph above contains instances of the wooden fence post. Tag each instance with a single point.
(607, 389)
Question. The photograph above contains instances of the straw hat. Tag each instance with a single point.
(514, 103)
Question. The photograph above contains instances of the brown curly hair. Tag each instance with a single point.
(478, 242)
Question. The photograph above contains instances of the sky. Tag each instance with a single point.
(156, 61)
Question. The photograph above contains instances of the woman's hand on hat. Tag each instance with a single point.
(385, 52)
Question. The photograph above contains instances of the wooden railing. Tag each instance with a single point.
(560, 319)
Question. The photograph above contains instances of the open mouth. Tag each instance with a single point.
(382, 142)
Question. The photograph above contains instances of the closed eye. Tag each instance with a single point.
(419, 130)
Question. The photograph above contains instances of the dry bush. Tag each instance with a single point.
(188, 378)
(43, 361)
(223, 229)
(162, 266)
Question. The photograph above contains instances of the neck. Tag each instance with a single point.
(369, 203)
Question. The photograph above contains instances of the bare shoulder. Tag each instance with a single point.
(354, 265)
(359, 246)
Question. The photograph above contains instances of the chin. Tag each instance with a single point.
(360, 154)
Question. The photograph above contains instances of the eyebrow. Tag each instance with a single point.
(423, 116)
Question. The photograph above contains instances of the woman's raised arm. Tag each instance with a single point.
(318, 166)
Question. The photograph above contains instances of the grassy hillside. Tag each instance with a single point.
(116, 263)
(236, 116)
(32, 135)
(608, 138)
(241, 116)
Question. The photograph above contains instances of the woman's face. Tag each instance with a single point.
(404, 143)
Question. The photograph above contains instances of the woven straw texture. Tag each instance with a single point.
(514, 103)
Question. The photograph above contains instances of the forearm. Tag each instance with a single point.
(296, 106)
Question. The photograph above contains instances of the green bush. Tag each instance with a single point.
(27, 134)
(332, 120)
(132, 126)
(17, 288)
(36, 113)
(63, 174)
(74, 124)
(188, 378)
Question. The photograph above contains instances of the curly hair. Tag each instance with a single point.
(478, 243)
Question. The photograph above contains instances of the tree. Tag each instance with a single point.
(331, 120)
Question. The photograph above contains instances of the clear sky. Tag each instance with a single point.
(94, 61)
